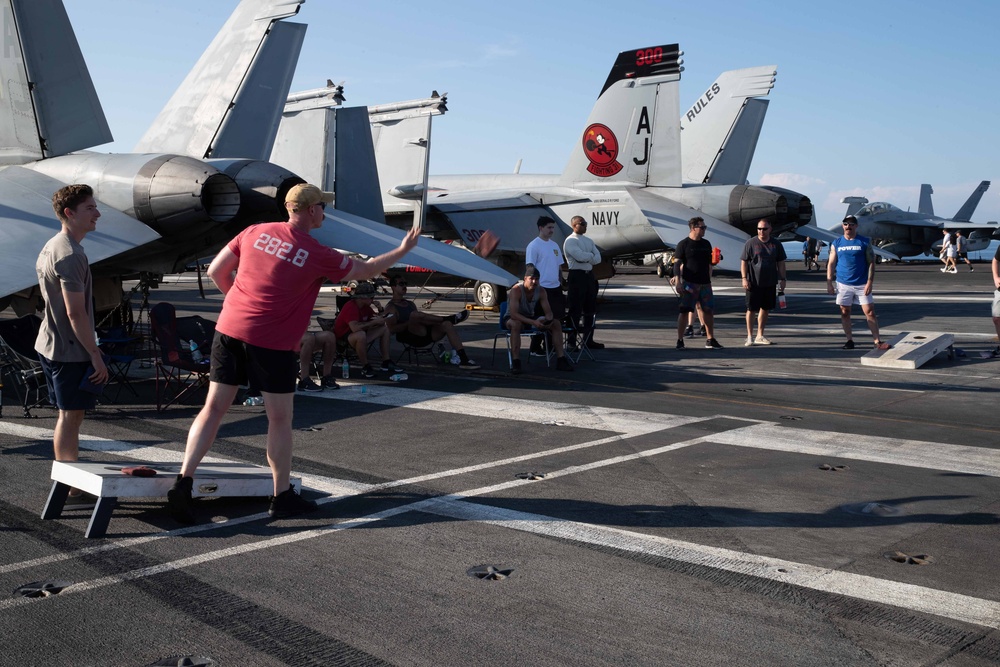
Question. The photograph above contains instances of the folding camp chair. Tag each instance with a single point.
(19, 362)
(506, 334)
(118, 347)
(178, 374)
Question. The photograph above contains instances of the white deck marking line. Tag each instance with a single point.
(960, 607)
(911, 453)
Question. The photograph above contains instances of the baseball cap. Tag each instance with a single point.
(850, 218)
(364, 291)
(531, 271)
(305, 194)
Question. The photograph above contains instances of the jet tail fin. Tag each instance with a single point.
(48, 105)
(969, 207)
(719, 131)
(192, 120)
(854, 204)
(926, 205)
(633, 133)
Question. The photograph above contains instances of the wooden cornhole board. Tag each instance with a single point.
(107, 481)
(911, 349)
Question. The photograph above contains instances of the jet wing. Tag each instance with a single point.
(829, 237)
(367, 237)
(670, 222)
(27, 222)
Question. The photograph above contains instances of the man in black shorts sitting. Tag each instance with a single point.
(418, 329)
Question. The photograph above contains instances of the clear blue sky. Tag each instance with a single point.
(872, 98)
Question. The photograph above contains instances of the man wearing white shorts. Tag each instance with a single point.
(852, 261)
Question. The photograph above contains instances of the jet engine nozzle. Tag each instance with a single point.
(262, 186)
(786, 210)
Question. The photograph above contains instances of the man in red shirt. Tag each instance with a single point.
(358, 325)
(271, 274)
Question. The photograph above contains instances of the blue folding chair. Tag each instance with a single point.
(506, 333)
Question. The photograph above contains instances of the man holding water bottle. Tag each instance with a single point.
(762, 266)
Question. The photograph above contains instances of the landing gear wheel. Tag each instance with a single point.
(660, 270)
(489, 295)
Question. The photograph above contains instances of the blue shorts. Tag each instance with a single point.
(235, 362)
(693, 293)
(63, 379)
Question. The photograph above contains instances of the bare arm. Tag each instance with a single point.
(996, 274)
(222, 270)
(79, 321)
(376, 265)
(831, 265)
(870, 257)
(395, 326)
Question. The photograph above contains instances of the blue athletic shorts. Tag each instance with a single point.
(63, 379)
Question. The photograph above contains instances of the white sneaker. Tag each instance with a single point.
(762, 341)
(944, 269)
(952, 270)
(749, 342)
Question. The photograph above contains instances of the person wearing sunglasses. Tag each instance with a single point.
(762, 265)
(694, 268)
(852, 262)
(416, 329)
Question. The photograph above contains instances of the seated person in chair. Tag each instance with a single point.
(311, 342)
(357, 326)
(528, 306)
(418, 329)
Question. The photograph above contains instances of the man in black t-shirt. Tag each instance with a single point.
(694, 278)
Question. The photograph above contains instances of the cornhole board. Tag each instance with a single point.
(107, 481)
(911, 349)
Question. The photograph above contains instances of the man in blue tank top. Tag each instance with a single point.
(852, 261)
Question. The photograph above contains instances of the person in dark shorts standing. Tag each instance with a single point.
(271, 274)
(762, 265)
(694, 265)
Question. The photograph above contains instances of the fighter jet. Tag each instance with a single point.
(199, 175)
(625, 175)
(908, 233)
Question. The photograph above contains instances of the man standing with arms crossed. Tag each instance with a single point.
(545, 255)
(852, 261)
(763, 267)
(279, 269)
(66, 342)
(694, 275)
(581, 256)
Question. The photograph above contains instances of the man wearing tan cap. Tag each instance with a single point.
(271, 274)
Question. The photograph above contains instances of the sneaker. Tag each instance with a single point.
(594, 345)
(562, 364)
(288, 503)
(952, 270)
(971, 269)
(389, 367)
(329, 383)
(995, 352)
(179, 503)
(367, 372)
(680, 343)
(689, 332)
(849, 345)
(81, 501)
(748, 342)
(515, 367)
(537, 353)
(307, 384)
(711, 342)
(458, 318)
(468, 365)
(703, 333)
(882, 345)
(762, 341)
(944, 269)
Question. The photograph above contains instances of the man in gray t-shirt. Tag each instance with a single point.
(66, 343)
(762, 265)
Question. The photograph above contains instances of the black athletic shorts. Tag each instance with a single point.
(235, 362)
(414, 340)
(760, 298)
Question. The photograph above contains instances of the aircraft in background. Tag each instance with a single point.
(625, 177)
(199, 175)
(908, 233)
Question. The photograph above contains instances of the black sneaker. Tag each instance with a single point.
(389, 367)
(468, 365)
(307, 384)
(179, 502)
(367, 372)
(288, 503)
(515, 367)
(712, 343)
(680, 343)
(849, 345)
(689, 332)
(329, 383)
(594, 345)
(562, 364)
(703, 333)
(81, 501)
(457, 318)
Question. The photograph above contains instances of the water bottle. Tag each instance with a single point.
(781, 300)
(196, 354)
(399, 377)
(345, 370)
(254, 401)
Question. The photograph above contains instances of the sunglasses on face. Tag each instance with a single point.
(400, 284)
(762, 229)
(322, 205)
(850, 224)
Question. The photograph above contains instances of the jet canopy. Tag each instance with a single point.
(877, 208)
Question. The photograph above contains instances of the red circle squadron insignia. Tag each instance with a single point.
(600, 145)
